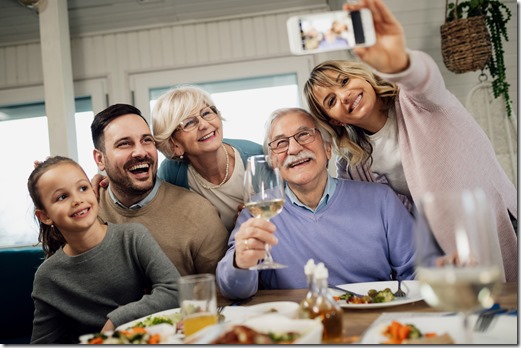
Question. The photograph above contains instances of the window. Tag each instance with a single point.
(23, 139)
(245, 92)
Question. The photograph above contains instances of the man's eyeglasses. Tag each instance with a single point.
(191, 122)
(303, 137)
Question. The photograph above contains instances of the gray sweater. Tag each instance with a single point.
(76, 295)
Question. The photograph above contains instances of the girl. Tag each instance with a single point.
(402, 127)
(95, 274)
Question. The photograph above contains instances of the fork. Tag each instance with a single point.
(220, 317)
(486, 318)
(400, 292)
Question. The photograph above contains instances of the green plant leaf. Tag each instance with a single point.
(496, 16)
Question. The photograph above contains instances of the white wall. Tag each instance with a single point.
(115, 56)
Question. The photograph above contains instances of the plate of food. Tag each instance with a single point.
(271, 328)
(376, 294)
(156, 334)
(170, 316)
(165, 326)
(437, 329)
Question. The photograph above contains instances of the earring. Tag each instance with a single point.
(181, 157)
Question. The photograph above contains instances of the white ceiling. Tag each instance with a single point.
(20, 24)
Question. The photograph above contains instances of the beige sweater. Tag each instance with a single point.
(185, 225)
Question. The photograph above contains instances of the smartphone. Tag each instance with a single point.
(330, 31)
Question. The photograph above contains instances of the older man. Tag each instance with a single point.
(185, 225)
(361, 231)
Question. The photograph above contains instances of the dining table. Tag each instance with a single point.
(357, 321)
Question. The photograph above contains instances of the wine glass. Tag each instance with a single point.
(469, 276)
(263, 196)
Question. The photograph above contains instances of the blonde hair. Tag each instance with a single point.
(171, 109)
(349, 141)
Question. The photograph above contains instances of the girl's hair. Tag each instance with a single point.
(50, 236)
(349, 141)
(173, 107)
(325, 131)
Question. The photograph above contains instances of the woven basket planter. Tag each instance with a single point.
(465, 44)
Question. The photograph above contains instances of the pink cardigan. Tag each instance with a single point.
(443, 148)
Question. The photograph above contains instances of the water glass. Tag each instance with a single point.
(198, 301)
(468, 277)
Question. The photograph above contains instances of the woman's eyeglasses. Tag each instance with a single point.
(208, 113)
(303, 137)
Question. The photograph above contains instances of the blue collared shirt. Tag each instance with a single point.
(141, 203)
(328, 192)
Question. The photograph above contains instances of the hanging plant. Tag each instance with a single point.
(496, 15)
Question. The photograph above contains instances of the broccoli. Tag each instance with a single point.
(385, 295)
(415, 332)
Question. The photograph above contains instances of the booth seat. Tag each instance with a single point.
(17, 268)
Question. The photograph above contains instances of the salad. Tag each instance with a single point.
(172, 319)
(398, 333)
(373, 296)
(136, 335)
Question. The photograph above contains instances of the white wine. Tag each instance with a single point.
(265, 209)
(459, 289)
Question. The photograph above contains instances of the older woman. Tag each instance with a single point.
(188, 129)
(401, 126)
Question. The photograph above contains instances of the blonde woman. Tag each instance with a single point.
(393, 121)
(188, 129)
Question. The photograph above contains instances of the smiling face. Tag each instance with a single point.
(303, 167)
(67, 198)
(129, 158)
(351, 101)
(206, 137)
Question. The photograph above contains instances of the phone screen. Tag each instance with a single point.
(333, 30)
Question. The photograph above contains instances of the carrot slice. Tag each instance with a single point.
(154, 339)
(403, 332)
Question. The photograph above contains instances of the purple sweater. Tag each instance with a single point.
(362, 234)
(443, 148)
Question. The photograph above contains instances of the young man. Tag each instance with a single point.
(185, 225)
(361, 231)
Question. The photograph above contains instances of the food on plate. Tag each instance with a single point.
(241, 334)
(152, 320)
(373, 296)
(135, 335)
(398, 333)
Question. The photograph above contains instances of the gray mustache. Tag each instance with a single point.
(304, 154)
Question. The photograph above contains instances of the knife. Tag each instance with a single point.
(346, 291)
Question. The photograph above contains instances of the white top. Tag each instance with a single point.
(386, 155)
(225, 198)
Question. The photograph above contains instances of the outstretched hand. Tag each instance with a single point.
(389, 53)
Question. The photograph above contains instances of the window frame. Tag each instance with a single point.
(96, 89)
(142, 83)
